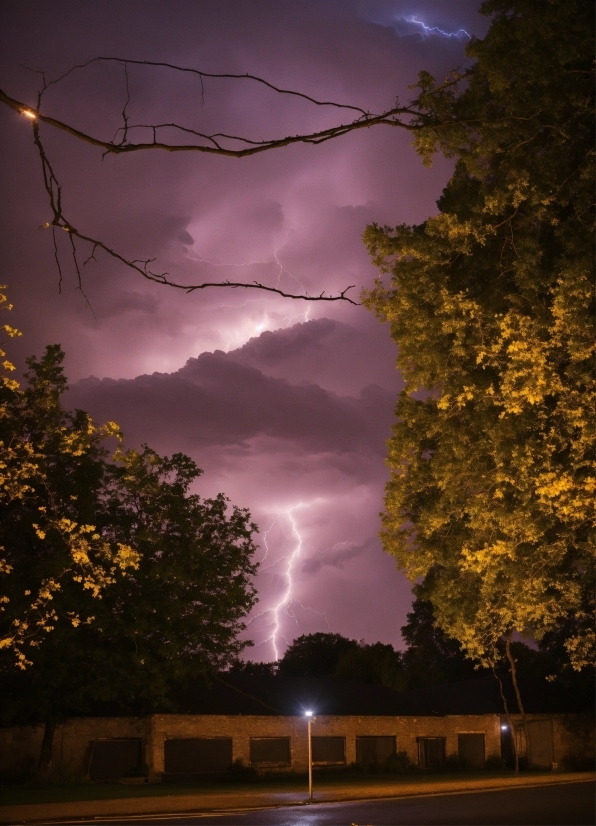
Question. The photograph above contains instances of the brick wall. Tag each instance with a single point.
(20, 746)
(242, 728)
(74, 739)
(573, 736)
(573, 740)
(19, 751)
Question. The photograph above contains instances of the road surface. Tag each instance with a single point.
(569, 804)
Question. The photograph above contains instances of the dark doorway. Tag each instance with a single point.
(431, 752)
(112, 759)
(470, 747)
(199, 755)
(374, 750)
(328, 750)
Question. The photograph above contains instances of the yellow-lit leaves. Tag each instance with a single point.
(491, 304)
(30, 449)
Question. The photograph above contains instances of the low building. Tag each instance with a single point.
(259, 722)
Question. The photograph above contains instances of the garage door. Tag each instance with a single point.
(372, 750)
(541, 744)
(199, 755)
(111, 759)
(328, 750)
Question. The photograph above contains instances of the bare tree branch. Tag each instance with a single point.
(388, 118)
(201, 75)
(141, 266)
(406, 117)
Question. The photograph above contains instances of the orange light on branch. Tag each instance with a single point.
(29, 114)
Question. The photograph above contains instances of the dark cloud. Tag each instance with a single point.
(214, 400)
(285, 404)
(331, 353)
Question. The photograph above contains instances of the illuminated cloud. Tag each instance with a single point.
(279, 401)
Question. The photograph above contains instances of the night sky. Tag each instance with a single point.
(286, 405)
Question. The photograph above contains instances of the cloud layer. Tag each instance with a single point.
(308, 461)
(285, 404)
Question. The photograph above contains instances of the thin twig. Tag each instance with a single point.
(202, 75)
(141, 266)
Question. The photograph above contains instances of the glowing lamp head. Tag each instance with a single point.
(504, 728)
(29, 114)
(308, 713)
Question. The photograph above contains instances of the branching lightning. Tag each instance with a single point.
(435, 29)
(284, 604)
(286, 599)
(284, 271)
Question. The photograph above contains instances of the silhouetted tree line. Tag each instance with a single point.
(430, 658)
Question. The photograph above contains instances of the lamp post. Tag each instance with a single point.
(309, 715)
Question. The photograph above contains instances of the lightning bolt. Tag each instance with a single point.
(195, 257)
(265, 543)
(287, 599)
(435, 30)
(283, 270)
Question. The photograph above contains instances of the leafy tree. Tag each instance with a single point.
(336, 656)
(314, 655)
(431, 656)
(254, 669)
(491, 497)
(54, 564)
(177, 613)
(376, 663)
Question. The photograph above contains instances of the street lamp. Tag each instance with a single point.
(309, 715)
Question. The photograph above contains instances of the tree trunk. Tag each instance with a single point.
(44, 766)
(517, 694)
(509, 720)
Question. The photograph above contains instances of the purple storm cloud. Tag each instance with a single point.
(286, 405)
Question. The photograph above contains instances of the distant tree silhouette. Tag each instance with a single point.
(315, 655)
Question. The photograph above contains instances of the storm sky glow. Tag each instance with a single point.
(285, 405)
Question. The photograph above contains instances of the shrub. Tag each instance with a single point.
(495, 761)
(455, 763)
(239, 772)
(399, 763)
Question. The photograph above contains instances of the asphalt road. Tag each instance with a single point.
(561, 805)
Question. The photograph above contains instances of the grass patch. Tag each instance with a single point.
(72, 791)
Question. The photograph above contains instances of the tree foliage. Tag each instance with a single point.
(51, 465)
(107, 637)
(86, 636)
(491, 304)
(377, 663)
(431, 657)
(314, 655)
